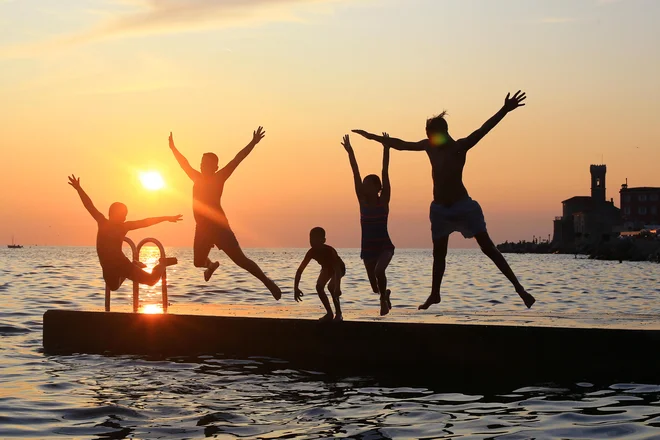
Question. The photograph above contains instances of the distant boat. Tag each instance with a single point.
(14, 245)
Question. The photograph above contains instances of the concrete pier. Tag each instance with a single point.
(454, 348)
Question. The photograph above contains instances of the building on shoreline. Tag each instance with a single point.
(640, 207)
(588, 219)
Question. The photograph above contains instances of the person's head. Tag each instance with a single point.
(316, 236)
(437, 129)
(371, 185)
(209, 164)
(118, 212)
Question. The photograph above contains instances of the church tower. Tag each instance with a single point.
(598, 183)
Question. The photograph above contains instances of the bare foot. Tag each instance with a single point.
(432, 299)
(384, 309)
(526, 297)
(169, 261)
(338, 317)
(209, 270)
(326, 318)
(274, 290)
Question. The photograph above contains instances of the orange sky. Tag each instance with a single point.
(95, 91)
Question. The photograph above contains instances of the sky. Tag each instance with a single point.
(93, 87)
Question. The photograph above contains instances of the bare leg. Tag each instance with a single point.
(489, 248)
(381, 265)
(370, 265)
(439, 264)
(323, 279)
(238, 257)
(335, 292)
(201, 256)
(151, 279)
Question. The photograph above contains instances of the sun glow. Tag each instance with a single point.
(152, 309)
(152, 180)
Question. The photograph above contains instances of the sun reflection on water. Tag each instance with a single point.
(152, 309)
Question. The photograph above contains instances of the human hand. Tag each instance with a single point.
(386, 145)
(171, 139)
(258, 135)
(346, 142)
(363, 133)
(175, 218)
(75, 182)
(513, 102)
(298, 294)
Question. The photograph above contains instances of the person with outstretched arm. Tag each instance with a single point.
(110, 238)
(212, 226)
(452, 208)
(373, 196)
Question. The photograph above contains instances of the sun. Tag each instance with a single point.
(152, 180)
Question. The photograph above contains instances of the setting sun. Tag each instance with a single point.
(152, 180)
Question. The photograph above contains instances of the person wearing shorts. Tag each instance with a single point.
(452, 208)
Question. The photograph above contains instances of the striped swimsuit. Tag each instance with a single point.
(375, 238)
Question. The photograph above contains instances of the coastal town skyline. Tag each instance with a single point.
(95, 87)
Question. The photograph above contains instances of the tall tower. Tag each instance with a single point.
(598, 182)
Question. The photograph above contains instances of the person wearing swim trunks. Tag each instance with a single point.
(332, 271)
(110, 238)
(452, 208)
(212, 227)
(377, 249)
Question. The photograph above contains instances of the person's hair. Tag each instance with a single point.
(211, 156)
(437, 124)
(317, 232)
(116, 208)
(372, 178)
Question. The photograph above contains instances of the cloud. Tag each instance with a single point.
(165, 16)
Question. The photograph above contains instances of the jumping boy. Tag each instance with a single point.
(332, 270)
(212, 225)
(110, 238)
(377, 249)
(452, 208)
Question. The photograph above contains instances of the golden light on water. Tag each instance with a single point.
(152, 309)
(152, 180)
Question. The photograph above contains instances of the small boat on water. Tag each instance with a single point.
(14, 245)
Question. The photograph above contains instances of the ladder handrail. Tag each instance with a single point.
(135, 251)
(163, 278)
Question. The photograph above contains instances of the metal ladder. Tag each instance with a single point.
(136, 286)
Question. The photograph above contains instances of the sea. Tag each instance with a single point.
(122, 397)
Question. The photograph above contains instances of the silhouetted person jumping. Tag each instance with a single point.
(377, 249)
(332, 270)
(452, 208)
(212, 225)
(110, 238)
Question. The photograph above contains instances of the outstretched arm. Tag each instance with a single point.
(257, 136)
(510, 103)
(387, 189)
(357, 180)
(183, 162)
(87, 202)
(297, 293)
(145, 223)
(395, 143)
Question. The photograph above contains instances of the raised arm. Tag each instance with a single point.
(257, 136)
(357, 180)
(387, 189)
(297, 293)
(145, 223)
(183, 162)
(510, 103)
(395, 143)
(87, 202)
